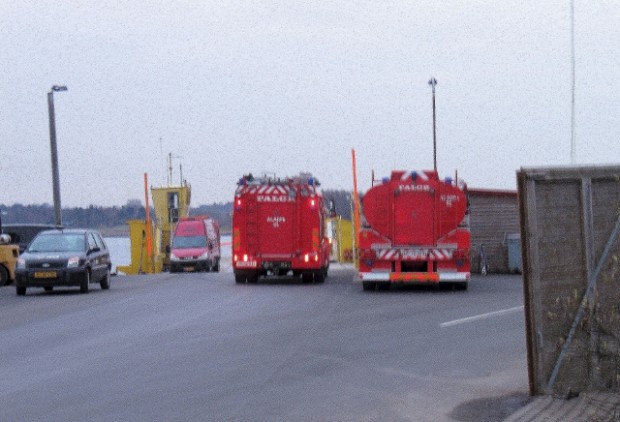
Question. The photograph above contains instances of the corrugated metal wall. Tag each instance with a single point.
(493, 216)
(570, 224)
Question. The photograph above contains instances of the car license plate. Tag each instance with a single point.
(45, 274)
(188, 269)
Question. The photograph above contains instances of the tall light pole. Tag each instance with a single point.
(432, 83)
(55, 177)
(572, 102)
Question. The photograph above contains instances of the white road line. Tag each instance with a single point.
(479, 317)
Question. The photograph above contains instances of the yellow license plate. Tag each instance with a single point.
(188, 269)
(45, 274)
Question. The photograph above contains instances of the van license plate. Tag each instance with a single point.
(45, 274)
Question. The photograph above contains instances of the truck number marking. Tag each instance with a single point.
(276, 220)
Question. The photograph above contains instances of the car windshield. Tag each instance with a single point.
(184, 242)
(61, 242)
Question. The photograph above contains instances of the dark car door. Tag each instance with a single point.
(97, 253)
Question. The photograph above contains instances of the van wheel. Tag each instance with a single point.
(319, 276)
(253, 277)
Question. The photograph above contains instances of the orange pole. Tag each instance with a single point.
(149, 241)
(356, 208)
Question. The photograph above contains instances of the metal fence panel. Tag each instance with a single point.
(570, 221)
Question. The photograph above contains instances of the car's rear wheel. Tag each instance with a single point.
(105, 281)
(48, 288)
(85, 282)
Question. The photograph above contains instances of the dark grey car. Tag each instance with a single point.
(67, 257)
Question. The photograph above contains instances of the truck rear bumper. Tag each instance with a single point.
(415, 277)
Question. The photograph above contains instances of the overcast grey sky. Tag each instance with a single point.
(231, 87)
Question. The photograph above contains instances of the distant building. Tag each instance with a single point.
(494, 224)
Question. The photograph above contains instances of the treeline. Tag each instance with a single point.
(338, 201)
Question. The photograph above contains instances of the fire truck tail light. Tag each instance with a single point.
(306, 258)
(235, 257)
(316, 257)
(245, 257)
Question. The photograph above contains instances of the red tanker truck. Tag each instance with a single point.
(417, 231)
(279, 229)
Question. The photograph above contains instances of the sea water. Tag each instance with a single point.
(120, 250)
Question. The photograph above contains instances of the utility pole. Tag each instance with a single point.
(432, 83)
(55, 176)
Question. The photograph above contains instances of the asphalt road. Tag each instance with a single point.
(185, 347)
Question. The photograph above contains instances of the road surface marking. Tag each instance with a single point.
(479, 317)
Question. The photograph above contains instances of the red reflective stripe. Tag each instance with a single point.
(414, 277)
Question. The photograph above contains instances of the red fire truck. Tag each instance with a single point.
(417, 231)
(278, 228)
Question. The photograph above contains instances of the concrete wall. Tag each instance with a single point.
(570, 221)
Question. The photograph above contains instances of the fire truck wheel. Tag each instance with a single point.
(253, 277)
(383, 286)
(369, 285)
(460, 285)
(48, 288)
(240, 278)
(307, 278)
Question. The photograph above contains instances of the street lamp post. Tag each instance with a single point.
(55, 177)
(432, 83)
